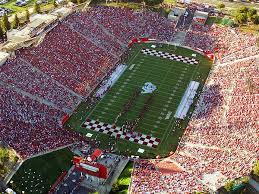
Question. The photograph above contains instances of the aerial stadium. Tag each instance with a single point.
(100, 88)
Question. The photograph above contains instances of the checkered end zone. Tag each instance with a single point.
(117, 132)
(170, 56)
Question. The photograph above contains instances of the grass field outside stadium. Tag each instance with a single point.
(33, 178)
(171, 79)
(123, 181)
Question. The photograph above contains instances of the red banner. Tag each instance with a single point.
(64, 119)
(59, 180)
(91, 168)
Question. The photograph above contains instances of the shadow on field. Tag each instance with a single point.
(209, 101)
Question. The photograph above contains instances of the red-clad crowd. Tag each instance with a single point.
(39, 85)
(221, 140)
(126, 24)
(230, 44)
(30, 127)
(146, 178)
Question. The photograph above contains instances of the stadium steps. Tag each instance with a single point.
(68, 110)
(36, 98)
(49, 77)
(254, 185)
(196, 145)
(239, 60)
(184, 23)
(179, 38)
(110, 34)
(223, 119)
(91, 40)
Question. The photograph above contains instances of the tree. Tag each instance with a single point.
(256, 168)
(255, 19)
(115, 187)
(245, 179)
(4, 156)
(242, 9)
(241, 18)
(6, 23)
(1, 32)
(79, 1)
(27, 15)
(55, 3)
(153, 2)
(221, 6)
(36, 8)
(251, 13)
(16, 22)
(229, 185)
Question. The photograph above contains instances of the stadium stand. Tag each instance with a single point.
(42, 84)
(229, 43)
(220, 139)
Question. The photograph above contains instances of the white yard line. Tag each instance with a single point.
(89, 114)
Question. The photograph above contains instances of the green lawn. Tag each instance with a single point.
(122, 184)
(36, 175)
(130, 5)
(171, 79)
(170, 2)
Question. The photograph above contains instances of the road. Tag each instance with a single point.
(228, 4)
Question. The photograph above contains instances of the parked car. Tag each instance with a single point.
(42, 1)
(3, 2)
(4, 10)
(21, 3)
(60, 1)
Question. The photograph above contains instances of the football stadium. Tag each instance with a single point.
(104, 95)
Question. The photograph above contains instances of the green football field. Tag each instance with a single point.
(171, 79)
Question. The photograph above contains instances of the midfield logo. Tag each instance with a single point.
(148, 88)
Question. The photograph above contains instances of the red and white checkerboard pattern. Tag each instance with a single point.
(117, 132)
(170, 56)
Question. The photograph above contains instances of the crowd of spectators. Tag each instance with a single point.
(22, 75)
(230, 44)
(69, 59)
(39, 85)
(126, 24)
(147, 178)
(221, 139)
(29, 126)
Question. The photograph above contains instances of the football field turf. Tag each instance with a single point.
(171, 79)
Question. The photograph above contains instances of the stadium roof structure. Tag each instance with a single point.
(200, 16)
(175, 13)
(36, 21)
(62, 12)
(96, 154)
(3, 57)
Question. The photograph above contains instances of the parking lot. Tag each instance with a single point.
(4, 10)
(20, 6)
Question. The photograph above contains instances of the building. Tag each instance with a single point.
(176, 13)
